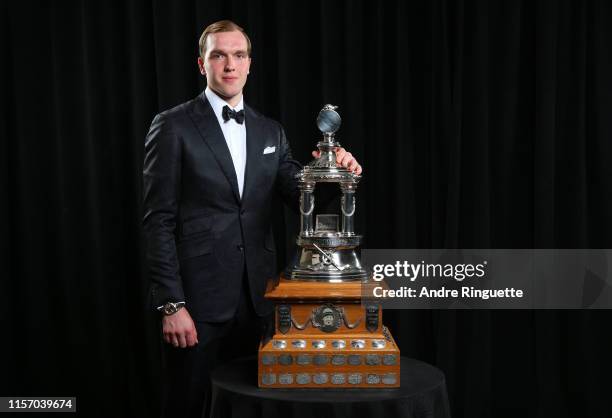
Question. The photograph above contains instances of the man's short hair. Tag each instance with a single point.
(222, 26)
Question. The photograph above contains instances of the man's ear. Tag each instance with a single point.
(201, 66)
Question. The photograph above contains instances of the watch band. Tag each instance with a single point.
(170, 308)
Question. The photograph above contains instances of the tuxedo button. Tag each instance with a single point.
(240, 247)
(242, 211)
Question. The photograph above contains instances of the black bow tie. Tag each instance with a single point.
(232, 114)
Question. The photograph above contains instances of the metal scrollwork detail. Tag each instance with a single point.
(386, 333)
(327, 318)
(299, 326)
(349, 325)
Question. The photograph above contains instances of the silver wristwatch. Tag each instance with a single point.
(171, 308)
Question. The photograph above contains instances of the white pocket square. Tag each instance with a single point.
(269, 150)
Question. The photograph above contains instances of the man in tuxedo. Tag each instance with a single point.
(212, 167)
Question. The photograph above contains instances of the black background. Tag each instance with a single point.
(479, 125)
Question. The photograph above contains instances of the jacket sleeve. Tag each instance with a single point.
(286, 183)
(161, 189)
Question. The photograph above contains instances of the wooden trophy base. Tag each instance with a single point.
(325, 338)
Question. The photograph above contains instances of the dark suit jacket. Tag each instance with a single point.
(199, 233)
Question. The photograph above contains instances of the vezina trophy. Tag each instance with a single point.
(326, 335)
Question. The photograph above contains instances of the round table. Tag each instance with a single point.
(235, 394)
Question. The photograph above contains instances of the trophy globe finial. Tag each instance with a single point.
(328, 120)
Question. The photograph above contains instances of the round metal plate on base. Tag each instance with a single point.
(318, 344)
(279, 344)
(379, 343)
(358, 344)
(338, 344)
(299, 344)
(285, 359)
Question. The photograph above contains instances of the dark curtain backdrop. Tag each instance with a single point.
(480, 124)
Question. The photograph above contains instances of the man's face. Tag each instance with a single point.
(226, 64)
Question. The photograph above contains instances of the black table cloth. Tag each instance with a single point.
(235, 394)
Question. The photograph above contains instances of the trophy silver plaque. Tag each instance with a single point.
(327, 251)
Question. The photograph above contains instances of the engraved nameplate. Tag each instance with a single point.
(372, 359)
(338, 344)
(326, 223)
(285, 379)
(318, 343)
(338, 378)
(303, 359)
(319, 378)
(354, 378)
(358, 344)
(338, 360)
(267, 360)
(372, 317)
(299, 344)
(279, 344)
(379, 343)
(284, 318)
(389, 359)
(285, 359)
(302, 378)
(373, 379)
(389, 379)
(268, 379)
(354, 360)
(320, 360)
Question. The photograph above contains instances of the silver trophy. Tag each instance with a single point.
(327, 251)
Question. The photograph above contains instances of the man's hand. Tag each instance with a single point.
(179, 329)
(344, 159)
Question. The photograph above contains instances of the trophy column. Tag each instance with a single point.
(347, 206)
(326, 335)
(306, 207)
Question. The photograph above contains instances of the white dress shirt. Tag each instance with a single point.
(234, 133)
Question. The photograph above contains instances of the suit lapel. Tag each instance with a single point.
(255, 145)
(204, 118)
